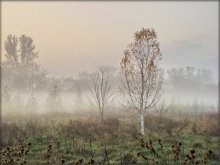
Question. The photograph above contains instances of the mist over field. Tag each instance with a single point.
(75, 96)
(189, 87)
(79, 42)
(109, 83)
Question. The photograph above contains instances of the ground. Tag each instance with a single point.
(67, 139)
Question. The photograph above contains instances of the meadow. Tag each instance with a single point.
(81, 138)
(105, 83)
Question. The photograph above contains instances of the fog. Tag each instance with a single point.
(72, 94)
(49, 68)
(75, 36)
(106, 82)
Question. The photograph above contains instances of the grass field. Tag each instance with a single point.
(65, 139)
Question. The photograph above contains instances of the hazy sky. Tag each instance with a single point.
(77, 36)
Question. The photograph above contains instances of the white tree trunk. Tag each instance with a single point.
(142, 123)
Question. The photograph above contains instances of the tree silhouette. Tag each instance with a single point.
(20, 68)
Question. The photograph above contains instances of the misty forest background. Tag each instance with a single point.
(57, 119)
(24, 81)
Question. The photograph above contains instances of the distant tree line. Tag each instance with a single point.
(190, 79)
(20, 71)
(140, 78)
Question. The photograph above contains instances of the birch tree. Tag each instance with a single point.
(142, 77)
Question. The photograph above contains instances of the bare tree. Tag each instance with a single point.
(101, 88)
(142, 77)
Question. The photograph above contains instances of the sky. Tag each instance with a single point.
(77, 36)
